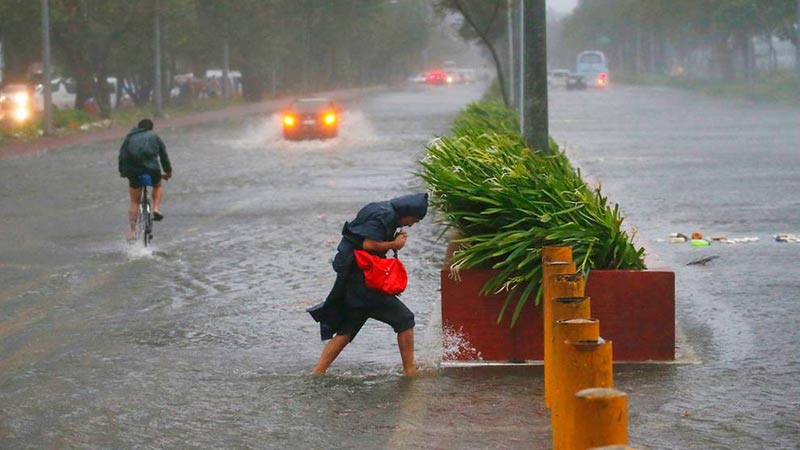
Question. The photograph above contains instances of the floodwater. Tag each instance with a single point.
(679, 162)
(202, 340)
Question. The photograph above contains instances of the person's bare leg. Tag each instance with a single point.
(405, 341)
(157, 192)
(133, 210)
(330, 352)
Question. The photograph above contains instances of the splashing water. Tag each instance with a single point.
(455, 346)
(354, 128)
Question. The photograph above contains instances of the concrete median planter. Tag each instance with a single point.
(636, 310)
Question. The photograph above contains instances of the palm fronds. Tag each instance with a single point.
(508, 202)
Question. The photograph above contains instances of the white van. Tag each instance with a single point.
(591, 66)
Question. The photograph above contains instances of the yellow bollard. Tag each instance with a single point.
(601, 418)
(583, 364)
(552, 253)
(561, 308)
(549, 270)
(568, 330)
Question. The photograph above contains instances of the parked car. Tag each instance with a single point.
(16, 105)
(311, 118)
(63, 95)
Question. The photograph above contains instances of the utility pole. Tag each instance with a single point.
(510, 33)
(47, 124)
(535, 125)
(797, 40)
(520, 64)
(159, 106)
(226, 70)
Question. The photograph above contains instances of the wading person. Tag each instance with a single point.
(350, 303)
(143, 152)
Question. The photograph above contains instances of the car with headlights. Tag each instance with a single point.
(16, 104)
(311, 118)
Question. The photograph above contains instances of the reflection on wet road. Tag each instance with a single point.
(203, 342)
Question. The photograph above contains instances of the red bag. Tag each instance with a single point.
(385, 275)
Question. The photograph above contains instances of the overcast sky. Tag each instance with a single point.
(564, 6)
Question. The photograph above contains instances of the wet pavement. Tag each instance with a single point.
(202, 342)
(679, 162)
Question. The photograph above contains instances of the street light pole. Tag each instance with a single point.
(226, 70)
(510, 34)
(797, 40)
(47, 124)
(535, 126)
(159, 107)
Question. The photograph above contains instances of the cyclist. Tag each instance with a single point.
(143, 152)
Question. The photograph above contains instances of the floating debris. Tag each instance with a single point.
(784, 237)
(702, 261)
(678, 238)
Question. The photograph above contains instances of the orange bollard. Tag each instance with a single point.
(561, 308)
(568, 330)
(552, 253)
(601, 418)
(583, 364)
(549, 269)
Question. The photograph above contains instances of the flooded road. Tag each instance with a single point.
(202, 341)
(678, 162)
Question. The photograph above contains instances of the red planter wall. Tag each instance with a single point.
(636, 310)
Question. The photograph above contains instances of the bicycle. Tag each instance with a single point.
(144, 218)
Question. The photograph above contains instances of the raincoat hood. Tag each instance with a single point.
(137, 130)
(415, 205)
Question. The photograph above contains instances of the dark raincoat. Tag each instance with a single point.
(378, 221)
(140, 153)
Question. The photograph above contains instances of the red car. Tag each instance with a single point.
(311, 118)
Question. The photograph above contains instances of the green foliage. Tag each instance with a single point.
(508, 202)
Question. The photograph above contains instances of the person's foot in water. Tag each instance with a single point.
(132, 236)
(157, 216)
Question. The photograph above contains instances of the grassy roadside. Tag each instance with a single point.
(71, 121)
(780, 87)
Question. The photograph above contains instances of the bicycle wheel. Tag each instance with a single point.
(147, 232)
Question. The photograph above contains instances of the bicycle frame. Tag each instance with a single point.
(144, 223)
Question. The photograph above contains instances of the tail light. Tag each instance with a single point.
(289, 120)
(329, 118)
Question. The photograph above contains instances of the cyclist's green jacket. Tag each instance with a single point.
(140, 153)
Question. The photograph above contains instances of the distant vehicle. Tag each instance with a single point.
(419, 78)
(311, 118)
(437, 76)
(575, 83)
(558, 77)
(591, 65)
(16, 105)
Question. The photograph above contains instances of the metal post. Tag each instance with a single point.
(226, 70)
(47, 124)
(510, 34)
(797, 41)
(521, 64)
(159, 107)
(535, 126)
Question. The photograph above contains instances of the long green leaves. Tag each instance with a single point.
(508, 202)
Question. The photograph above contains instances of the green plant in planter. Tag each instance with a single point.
(508, 202)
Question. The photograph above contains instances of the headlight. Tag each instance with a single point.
(21, 114)
(288, 120)
(329, 119)
(21, 99)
